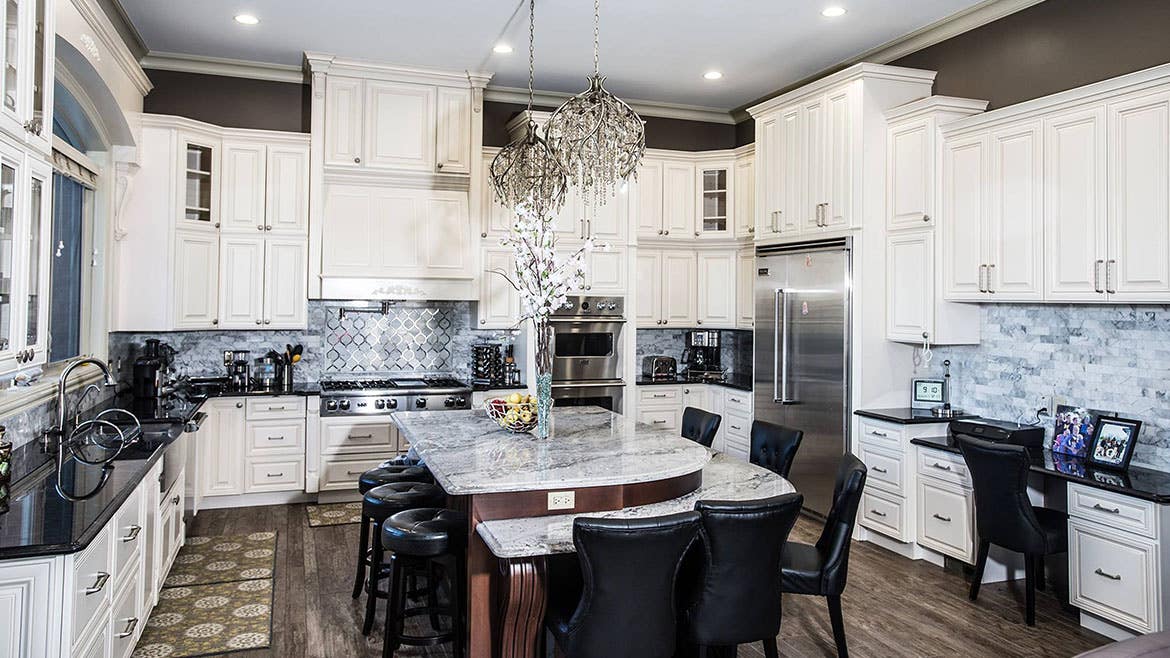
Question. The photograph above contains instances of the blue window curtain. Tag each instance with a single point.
(65, 303)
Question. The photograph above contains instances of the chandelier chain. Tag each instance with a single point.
(596, 36)
(531, 50)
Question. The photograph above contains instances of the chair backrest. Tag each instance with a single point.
(999, 478)
(735, 596)
(700, 426)
(837, 535)
(774, 446)
(629, 568)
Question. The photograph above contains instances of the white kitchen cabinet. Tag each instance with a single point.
(344, 104)
(605, 272)
(716, 291)
(839, 139)
(678, 192)
(198, 180)
(744, 196)
(607, 223)
(400, 129)
(27, 81)
(453, 125)
(196, 280)
(745, 289)
(648, 274)
(29, 588)
(495, 219)
(499, 303)
(678, 288)
(914, 310)
(30, 285)
(285, 283)
(241, 262)
(946, 518)
(252, 445)
(243, 186)
(814, 163)
(286, 208)
(649, 199)
(789, 172)
(910, 174)
(964, 205)
(715, 205)
(768, 171)
(223, 447)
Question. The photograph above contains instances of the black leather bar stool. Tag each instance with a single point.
(621, 602)
(384, 474)
(402, 460)
(734, 597)
(1005, 517)
(418, 539)
(379, 504)
(774, 446)
(700, 426)
(822, 569)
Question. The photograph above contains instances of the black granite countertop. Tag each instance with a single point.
(1135, 481)
(216, 387)
(494, 387)
(735, 381)
(907, 416)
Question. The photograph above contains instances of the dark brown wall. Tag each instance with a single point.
(675, 134)
(1050, 47)
(230, 102)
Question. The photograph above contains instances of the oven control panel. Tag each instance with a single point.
(580, 306)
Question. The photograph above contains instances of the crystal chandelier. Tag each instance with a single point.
(526, 170)
(599, 139)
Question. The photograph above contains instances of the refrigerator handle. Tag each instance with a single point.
(780, 350)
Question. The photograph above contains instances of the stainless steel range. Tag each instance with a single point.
(368, 396)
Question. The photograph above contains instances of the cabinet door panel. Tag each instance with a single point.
(569, 222)
(607, 222)
(910, 286)
(816, 161)
(343, 121)
(499, 303)
(1139, 209)
(447, 239)
(243, 186)
(911, 171)
(716, 289)
(26, 593)
(350, 212)
(607, 272)
(398, 213)
(285, 283)
(678, 288)
(790, 172)
(241, 299)
(1016, 221)
(838, 184)
(287, 209)
(400, 126)
(965, 217)
(1074, 206)
(744, 196)
(224, 447)
(496, 219)
(768, 183)
(453, 124)
(745, 289)
(678, 194)
(37, 261)
(196, 280)
(649, 188)
(648, 311)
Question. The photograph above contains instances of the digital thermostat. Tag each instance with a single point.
(928, 393)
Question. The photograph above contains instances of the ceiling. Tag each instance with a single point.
(652, 50)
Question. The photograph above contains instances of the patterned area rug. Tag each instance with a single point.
(334, 514)
(208, 619)
(231, 558)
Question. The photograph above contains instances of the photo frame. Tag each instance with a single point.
(1113, 442)
(1074, 428)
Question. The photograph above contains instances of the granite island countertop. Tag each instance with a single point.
(724, 478)
(468, 453)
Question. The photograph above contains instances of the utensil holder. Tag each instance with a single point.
(285, 377)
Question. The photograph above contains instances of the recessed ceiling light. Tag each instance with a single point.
(712, 75)
(833, 12)
(247, 19)
(502, 48)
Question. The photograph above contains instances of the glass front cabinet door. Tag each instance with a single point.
(714, 211)
(198, 183)
(26, 86)
(25, 230)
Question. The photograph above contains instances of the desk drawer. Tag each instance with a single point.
(885, 515)
(945, 466)
(885, 468)
(881, 434)
(648, 395)
(93, 584)
(284, 407)
(1114, 575)
(1113, 509)
(276, 437)
(946, 519)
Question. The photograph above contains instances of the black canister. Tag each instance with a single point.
(148, 370)
(5, 470)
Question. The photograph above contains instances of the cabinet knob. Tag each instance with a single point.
(751, 229)
(217, 225)
(666, 232)
(926, 218)
(357, 160)
(439, 166)
(696, 234)
(659, 231)
(700, 321)
(267, 227)
(483, 235)
(259, 227)
(257, 320)
(239, 405)
(267, 320)
(483, 321)
(215, 321)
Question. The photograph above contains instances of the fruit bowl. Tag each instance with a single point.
(515, 413)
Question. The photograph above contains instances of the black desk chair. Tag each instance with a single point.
(1005, 517)
(700, 426)
(821, 569)
(621, 602)
(735, 596)
(774, 446)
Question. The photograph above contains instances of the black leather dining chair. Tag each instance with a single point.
(774, 446)
(700, 426)
(621, 601)
(821, 569)
(1005, 517)
(734, 598)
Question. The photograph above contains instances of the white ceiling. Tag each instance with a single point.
(654, 50)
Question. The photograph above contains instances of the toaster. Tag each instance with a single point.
(659, 367)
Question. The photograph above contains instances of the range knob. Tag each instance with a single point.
(343, 405)
(379, 404)
(331, 405)
(421, 403)
(391, 403)
(461, 402)
(449, 402)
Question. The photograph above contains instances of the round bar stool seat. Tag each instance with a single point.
(420, 539)
(402, 460)
(387, 474)
(386, 500)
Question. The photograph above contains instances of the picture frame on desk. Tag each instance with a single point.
(1113, 442)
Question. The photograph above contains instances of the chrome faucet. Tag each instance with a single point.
(62, 384)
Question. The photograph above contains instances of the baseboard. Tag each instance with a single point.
(326, 497)
(1106, 628)
(255, 500)
(908, 550)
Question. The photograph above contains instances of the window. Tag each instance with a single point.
(72, 215)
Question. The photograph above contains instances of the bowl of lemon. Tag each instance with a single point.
(516, 412)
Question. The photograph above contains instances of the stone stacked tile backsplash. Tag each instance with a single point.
(735, 347)
(1114, 358)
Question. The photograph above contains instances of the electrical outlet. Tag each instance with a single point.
(562, 500)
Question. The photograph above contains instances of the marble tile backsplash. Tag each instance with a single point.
(1102, 357)
(735, 347)
(28, 424)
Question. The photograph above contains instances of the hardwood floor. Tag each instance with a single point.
(893, 606)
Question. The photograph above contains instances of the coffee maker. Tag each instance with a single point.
(150, 369)
(701, 358)
(239, 369)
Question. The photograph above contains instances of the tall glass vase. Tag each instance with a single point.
(544, 399)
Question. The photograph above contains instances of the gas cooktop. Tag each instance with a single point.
(383, 395)
(359, 386)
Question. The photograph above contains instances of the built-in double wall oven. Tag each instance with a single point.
(587, 352)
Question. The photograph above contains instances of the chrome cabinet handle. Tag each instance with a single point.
(878, 469)
(267, 320)
(659, 231)
(354, 472)
(884, 435)
(267, 227)
(99, 584)
(990, 278)
(736, 427)
(361, 436)
(134, 530)
(659, 395)
(131, 624)
(941, 467)
(1110, 269)
(276, 475)
(735, 400)
(1110, 576)
(1113, 510)
(659, 422)
(944, 519)
(483, 235)
(280, 408)
(666, 232)
(1097, 276)
(276, 438)
(874, 512)
(982, 270)
(259, 321)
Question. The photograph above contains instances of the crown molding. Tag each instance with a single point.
(645, 108)
(95, 17)
(932, 104)
(857, 71)
(324, 62)
(233, 68)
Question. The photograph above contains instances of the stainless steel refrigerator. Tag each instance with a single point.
(802, 341)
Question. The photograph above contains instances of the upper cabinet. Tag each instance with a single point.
(744, 193)
(714, 216)
(25, 232)
(681, 196)
(26, 85)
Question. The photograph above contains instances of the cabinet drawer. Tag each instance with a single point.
(276, 437)
(885, 469)
(883, 515)
(341, 436)
(342, 475)
(943, 466)
(1114, 510)
(128, 538)
(738, 401)
(669, 419)
(125, 623)
(946, 519)
(265, 408)
(1114, 575)
(649, 395)
(880, 434)
(92, 584)
(275, 475)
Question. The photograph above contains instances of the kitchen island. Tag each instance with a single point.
(604, 463)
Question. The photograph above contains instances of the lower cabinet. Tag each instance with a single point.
(663, 405)
(252, 445)
(946, 519)
(352, 445)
